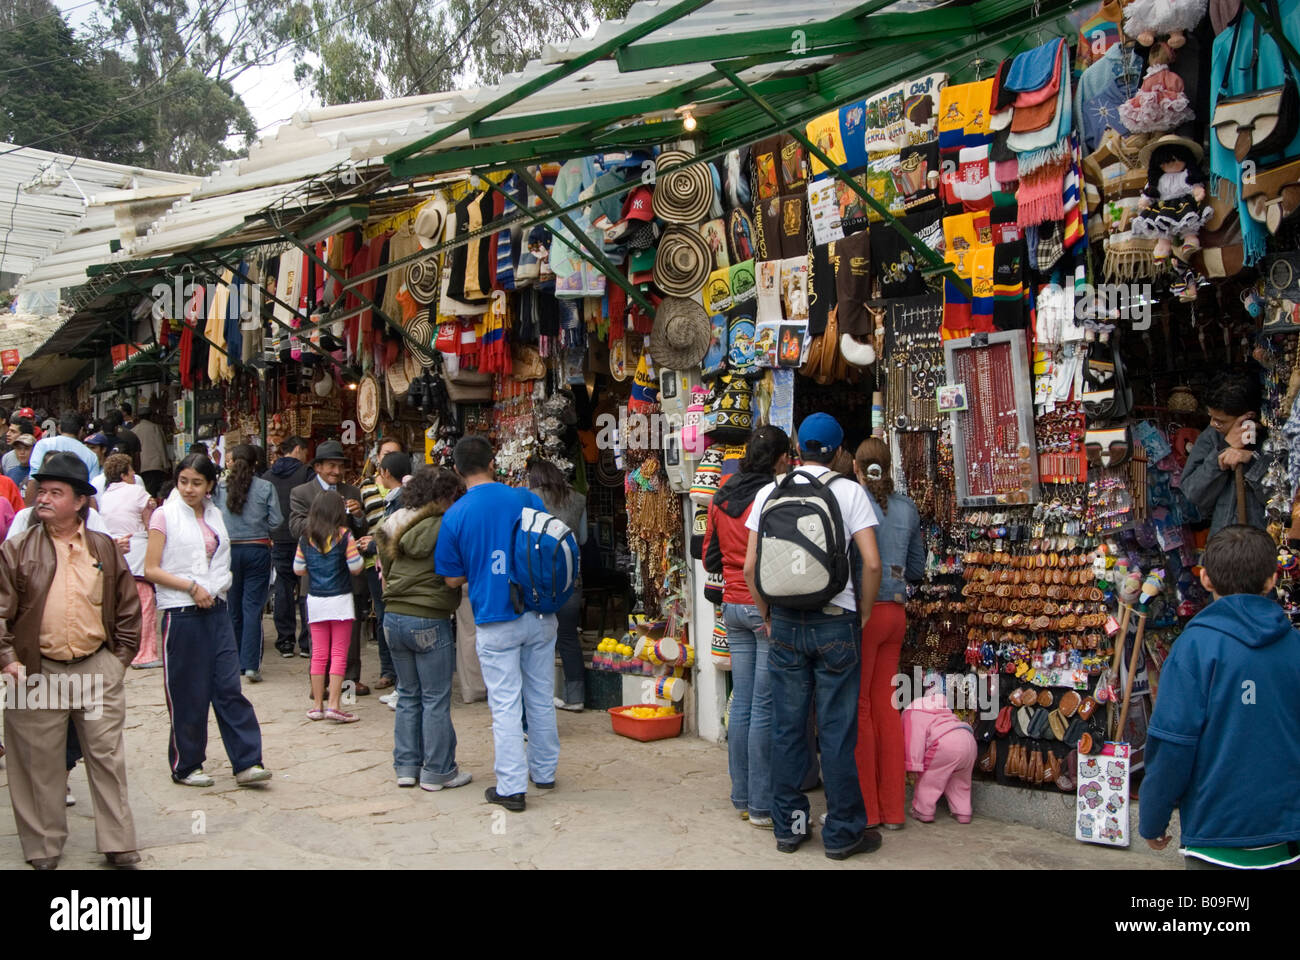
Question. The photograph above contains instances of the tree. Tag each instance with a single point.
(186, 60)
(353, 50)
(58, 94)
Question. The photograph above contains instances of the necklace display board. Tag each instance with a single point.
(993, 434)
(914, 361)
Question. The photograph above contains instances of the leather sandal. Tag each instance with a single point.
(1053, 770)
(1065, 779)
(989, 762)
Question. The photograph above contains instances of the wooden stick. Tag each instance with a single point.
(1117, 657)
(1128, 681)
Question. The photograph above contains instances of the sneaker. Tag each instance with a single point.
(389, 700)
(286, 654)
(892, 826)
(254, 774)
(253, 676)
(197, 778)
(571, 707)
(305, 654)
(822, 820)
(70, 800)
(869, 842)
(549, 785)
(406, 781)
(514, 801)
(459, 780)
(791, 845)
(764, 823)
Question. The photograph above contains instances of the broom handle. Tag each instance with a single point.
(1118, 656)
(1128, 681)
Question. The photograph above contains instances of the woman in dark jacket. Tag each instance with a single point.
(749, 729)
(418, 606)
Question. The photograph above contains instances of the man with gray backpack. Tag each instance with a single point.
(797, 567)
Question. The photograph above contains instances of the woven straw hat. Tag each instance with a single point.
(681, 196)
(683, 262)
(422, 279)
(681, 334)
(421, 331)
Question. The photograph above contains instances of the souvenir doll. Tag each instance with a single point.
(1161, 104)
(1173, 201)
(1147, 19)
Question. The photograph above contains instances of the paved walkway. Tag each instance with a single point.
(619, 803)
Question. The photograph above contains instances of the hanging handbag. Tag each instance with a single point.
(1259, 122)
(1273, 195)
(730, 418)
(469, 386)
(708, 477)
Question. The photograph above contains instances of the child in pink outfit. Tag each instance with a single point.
(941, 748)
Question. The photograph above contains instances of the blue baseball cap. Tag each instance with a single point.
(820, 433)
(99, 440)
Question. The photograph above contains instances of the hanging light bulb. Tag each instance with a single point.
(688, 122)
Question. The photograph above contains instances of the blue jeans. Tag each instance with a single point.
(749, 731)
(250, 572)
(815, 655)
(518, 661)
(424, 741)
(377, 598)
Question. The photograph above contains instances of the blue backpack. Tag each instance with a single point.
(543, 562)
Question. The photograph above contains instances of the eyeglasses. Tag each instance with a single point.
(1222, 424)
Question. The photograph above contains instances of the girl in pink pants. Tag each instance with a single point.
(329, 557)
(941, 748)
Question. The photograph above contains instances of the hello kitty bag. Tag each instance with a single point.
(1102, 801)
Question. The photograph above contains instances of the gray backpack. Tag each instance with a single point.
(802, 560)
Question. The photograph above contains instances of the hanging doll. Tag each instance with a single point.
(1173, 201)
(1161, 104)
(1146, 19)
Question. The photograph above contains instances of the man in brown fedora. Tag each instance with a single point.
(328, 465)
(71, 624)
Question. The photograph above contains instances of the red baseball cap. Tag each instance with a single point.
(637, 205)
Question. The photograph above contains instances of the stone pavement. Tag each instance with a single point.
(619, 803)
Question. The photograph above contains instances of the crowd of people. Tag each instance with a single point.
(104, 535)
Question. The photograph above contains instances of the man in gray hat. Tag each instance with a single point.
(71, 624)
(328, 464)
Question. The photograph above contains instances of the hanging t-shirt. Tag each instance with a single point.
(821, 287)
(475, 541)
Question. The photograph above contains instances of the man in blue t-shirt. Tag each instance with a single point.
(516, 651)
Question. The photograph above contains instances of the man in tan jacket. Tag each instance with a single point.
(71, 624)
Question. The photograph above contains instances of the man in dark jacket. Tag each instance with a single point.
(71, 624)
(289, 471)
(328, 465)
(1224, 741)
(1209, 479)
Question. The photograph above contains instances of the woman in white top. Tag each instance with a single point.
(126, 507)
(188, 560)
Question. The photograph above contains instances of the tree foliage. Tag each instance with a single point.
(352, 50)
(59, 94)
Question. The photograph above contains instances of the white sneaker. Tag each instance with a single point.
(571, 707)
(822, 820)
(761, 822)
(389, 700)
(197, 779)
(459, 780)
(71, 800)
(254, 774)
(406, 781)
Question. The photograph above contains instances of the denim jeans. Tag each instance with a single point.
(424, 740)
(568, 643)
(287, 602)
(814, 657)
(749, 731)
(250, 572)
(518, 660)
(377, 598)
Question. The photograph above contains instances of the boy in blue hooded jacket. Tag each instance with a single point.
(1224, 740)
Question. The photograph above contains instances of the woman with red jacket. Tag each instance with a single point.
(749, 730)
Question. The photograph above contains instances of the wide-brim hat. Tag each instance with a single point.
(421, 332)
(67, 468)
(329, 450)
(681, 196)
(398, 381)
(681, 334)
(1170, 140)
(430, 223)
(683, 262)
(423, 279)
